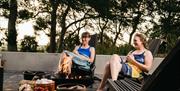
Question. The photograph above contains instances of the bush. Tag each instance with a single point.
(29, 44)
(125, 49)
(109, 49)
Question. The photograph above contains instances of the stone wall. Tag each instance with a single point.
(21, 61)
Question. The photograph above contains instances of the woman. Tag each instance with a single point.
(137, 62)
(84, 52)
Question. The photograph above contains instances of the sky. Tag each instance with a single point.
(26, 28)
(23, 29)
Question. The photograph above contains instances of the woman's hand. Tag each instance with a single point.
(130, 58)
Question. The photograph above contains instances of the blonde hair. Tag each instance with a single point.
(142, 38)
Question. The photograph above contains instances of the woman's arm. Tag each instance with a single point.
(93, 52)
(148, 61)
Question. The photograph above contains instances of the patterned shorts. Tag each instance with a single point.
(126, 69)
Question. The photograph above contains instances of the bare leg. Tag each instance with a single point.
(62, 56)
(112, 69)
(69, 62)
(106, 75)
(115, 66)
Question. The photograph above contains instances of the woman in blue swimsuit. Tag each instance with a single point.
(137, 61)
(83, 52)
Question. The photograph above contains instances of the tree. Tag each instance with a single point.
(12, 33)
(71, 41)
(4, 4)
(48, 22)
(103, 25)
(10, 12)
(54, 5)
(65, 24)
(64, 28)
(29, 44)
(167, 27)
(118, 29)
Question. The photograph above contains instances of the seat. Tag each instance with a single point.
(153, 45)
(87, 75)
(80, 76)
(165, 77)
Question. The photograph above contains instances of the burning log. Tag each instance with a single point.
(65, 67)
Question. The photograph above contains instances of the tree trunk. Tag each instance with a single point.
(136, 21)
(102, 30)
(12, 33)
(130, 36)
(101, 36)
(64, 29)
(54, 5)
(117, 34)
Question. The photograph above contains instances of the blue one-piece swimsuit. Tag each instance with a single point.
(129, 70)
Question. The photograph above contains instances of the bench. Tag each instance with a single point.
(165, 77)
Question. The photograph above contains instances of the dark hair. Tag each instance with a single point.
(86, 34)
(142, 38)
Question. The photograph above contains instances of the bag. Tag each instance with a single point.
(81, 64)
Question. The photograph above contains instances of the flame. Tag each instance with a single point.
(65, 67)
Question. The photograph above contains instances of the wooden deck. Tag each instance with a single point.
(11, 81)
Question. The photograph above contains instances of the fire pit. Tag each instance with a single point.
(28, 75)
(85, 81)
(71, 87)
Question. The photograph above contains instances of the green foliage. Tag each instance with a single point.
(168, 26)
(108, 48)
(29, 44)
(40, 24)
(71, 41)
(4, 4)
(129, 13)
(2, 42)
(103, 49)
(121, 50)
(125, 49)
(25, 14)
(5, 13)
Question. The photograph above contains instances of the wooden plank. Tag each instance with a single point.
(113, 86)
(128, 86)
(121, 86)
(133, 83)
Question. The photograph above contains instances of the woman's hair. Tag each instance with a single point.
(142, 38)
(85, 34)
